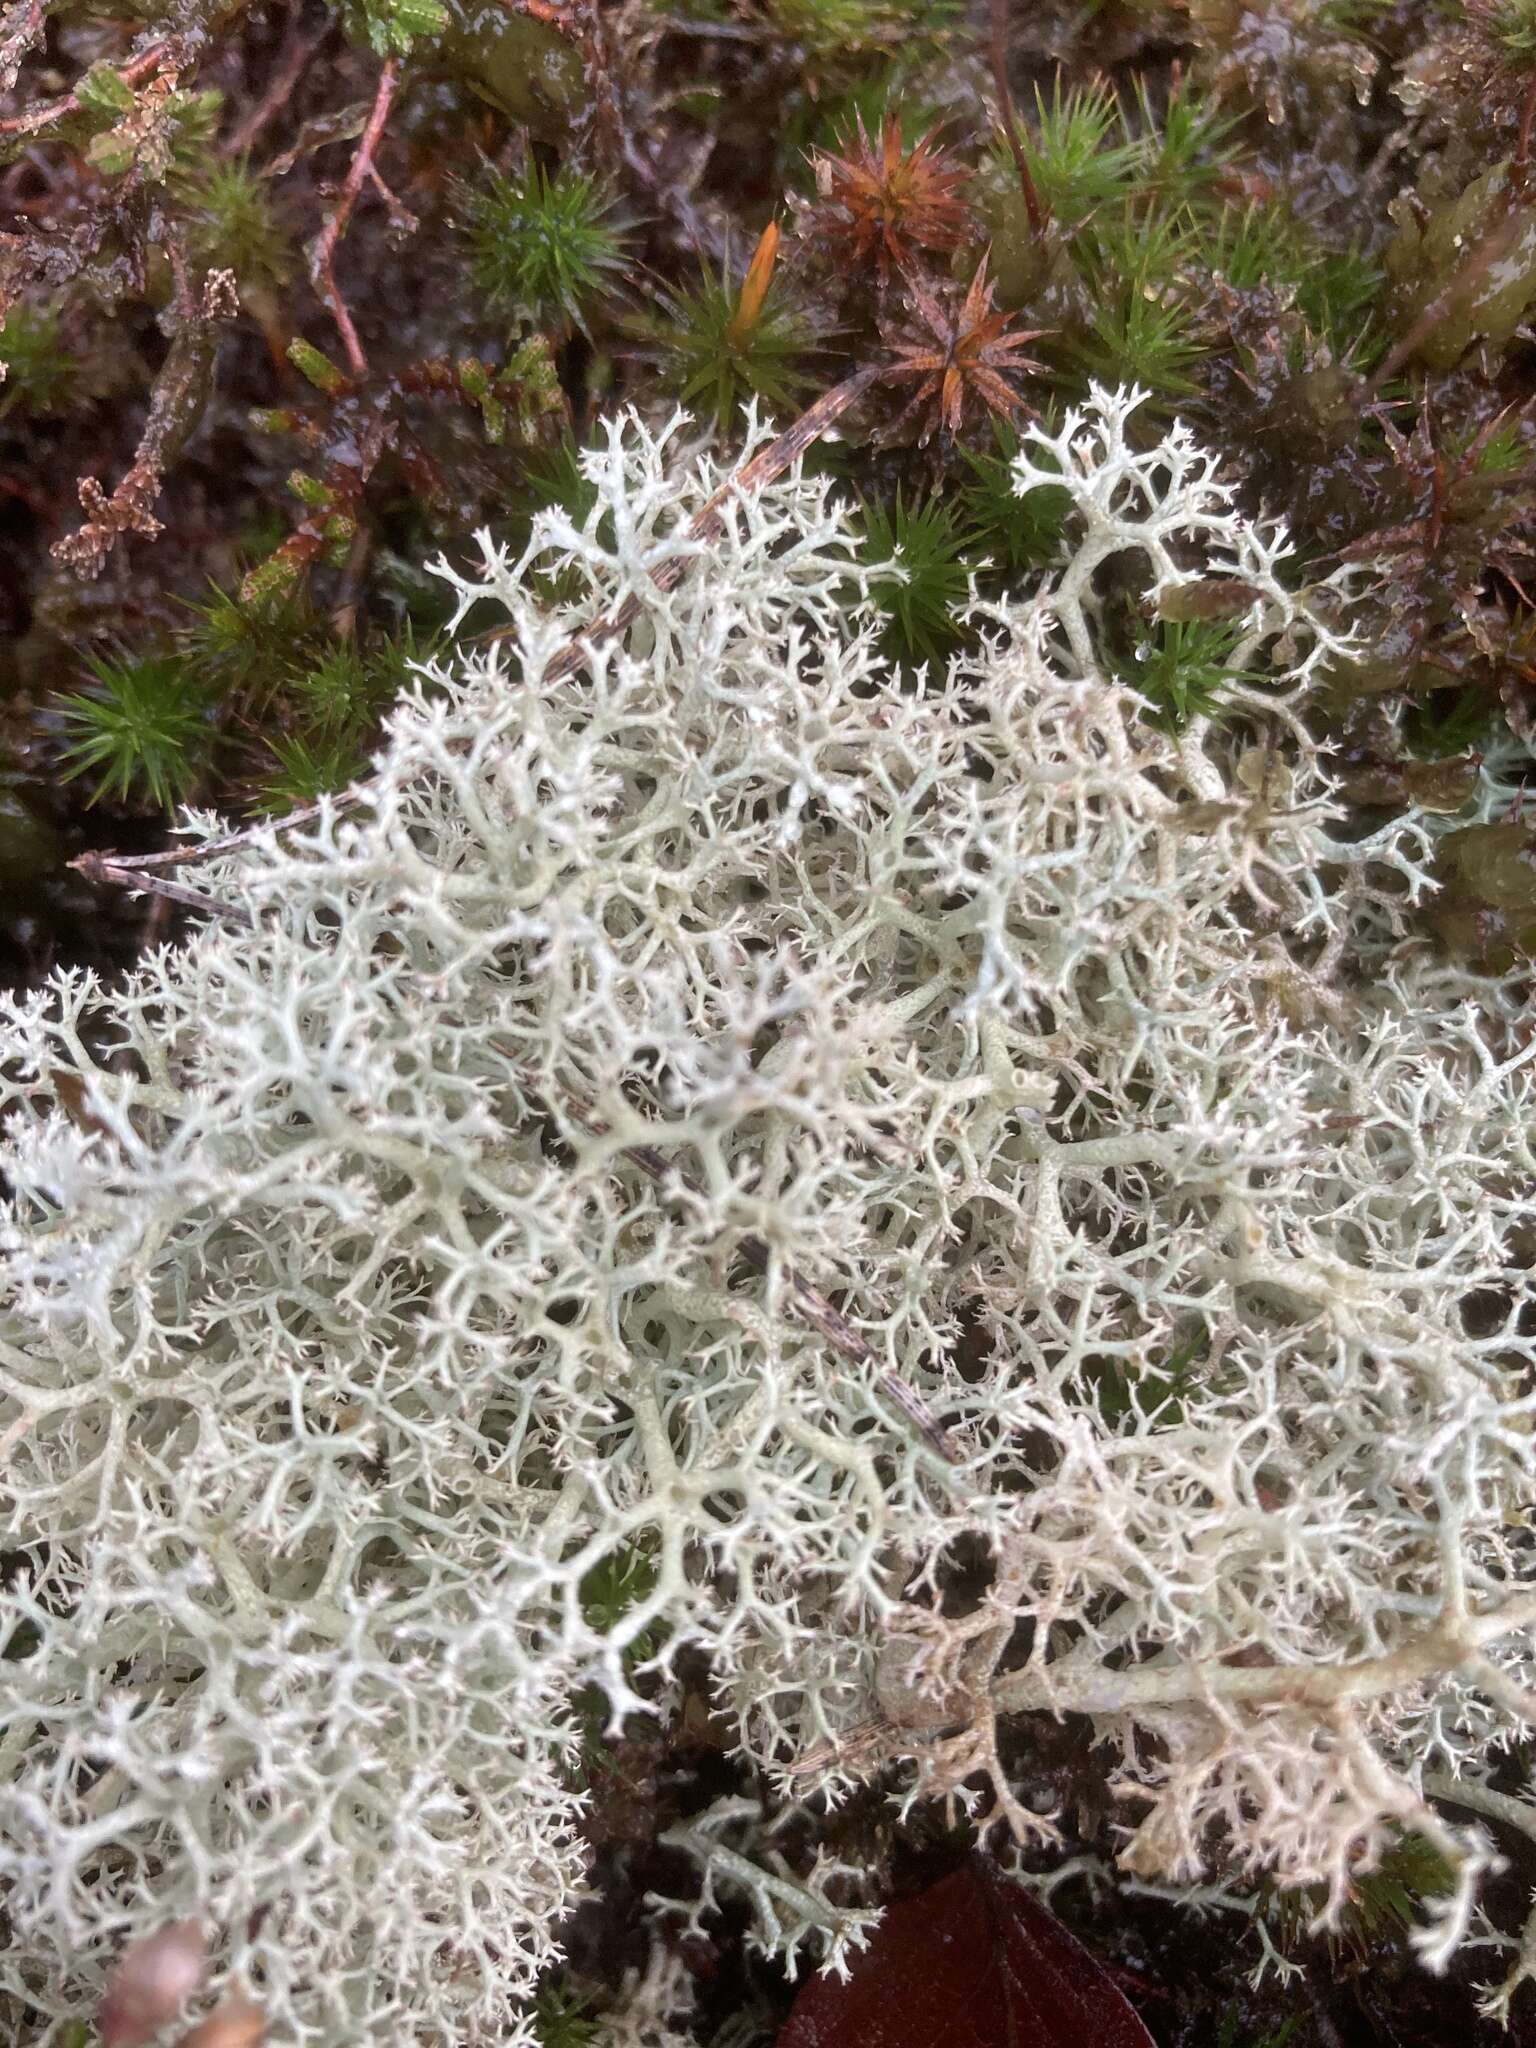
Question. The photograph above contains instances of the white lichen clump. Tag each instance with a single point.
(374, 1274)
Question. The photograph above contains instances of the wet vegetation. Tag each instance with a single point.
(297, 295)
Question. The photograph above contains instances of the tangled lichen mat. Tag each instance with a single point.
(712, 1138)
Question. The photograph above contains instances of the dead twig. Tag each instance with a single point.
(292, 61)
(180, 390)
(615, 134)
(104, 867)
(128, 868)
(323, 256)
(349, 592)
(997, 49)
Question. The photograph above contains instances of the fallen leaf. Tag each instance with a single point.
(973, 1962)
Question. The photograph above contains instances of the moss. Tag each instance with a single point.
(1469, 260)
(725, 341)
(523, 67)
(544, 249)
(233, 222)
(1486, 908)
(38, 367)
(140, 733)
(932, 554)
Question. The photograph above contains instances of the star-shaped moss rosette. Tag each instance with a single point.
(886, 202)
(964, 354)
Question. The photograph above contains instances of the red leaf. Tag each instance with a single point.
(973, 1962)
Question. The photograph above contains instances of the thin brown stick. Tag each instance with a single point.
(997, 46)
(1522, 163)
(102, 867)
(323, 259)
(614, 133)
(866, 1742)
(349, 593)
(179, 393)
(120, 867)
(292, 60)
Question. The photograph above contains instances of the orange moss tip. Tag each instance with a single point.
(892, 202)
(754, 286)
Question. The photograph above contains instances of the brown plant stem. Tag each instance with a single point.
(179, 393)
(126, 868)
(615, 135)
(102, 867)
(997, 44)
(323, 258)
(292, 60)
(1453, 1643)
(1522, 162)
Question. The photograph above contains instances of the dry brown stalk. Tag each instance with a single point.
(180, 391)
(323, 256)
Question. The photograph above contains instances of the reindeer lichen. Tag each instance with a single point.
(591, 1143)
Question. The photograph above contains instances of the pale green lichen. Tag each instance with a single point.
(375, 1273)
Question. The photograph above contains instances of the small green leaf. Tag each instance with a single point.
(420, 17)
(314, 364)
(270, 582)
(273, 419)
(390, 27)
(474, 378)
(309, 490)
(101, 91)
(112, 153)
